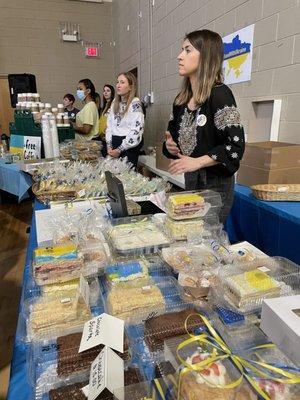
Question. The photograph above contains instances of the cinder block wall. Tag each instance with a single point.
(276, 59)
(30, 42)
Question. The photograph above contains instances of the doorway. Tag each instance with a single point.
(6, 110)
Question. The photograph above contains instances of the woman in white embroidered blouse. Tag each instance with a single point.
(125, 122)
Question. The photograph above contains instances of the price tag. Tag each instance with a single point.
(107, 371)
(103, 329)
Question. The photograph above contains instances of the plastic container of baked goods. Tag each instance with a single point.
(56, 264)
(127, 270)
(235, 326)
(53, 362)
(47, 315)
(187, 256)
(50, 318)
(274, 357)
(47, 384)
(206, 383)
(147, 339)
(136, 269)
(135, 302)
(192, 204)
(195, 284)
(142, 390)
(136, 235)
(64, 262)
(243, 287)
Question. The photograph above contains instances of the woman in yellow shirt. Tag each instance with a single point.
(87, 120)
(108, 96)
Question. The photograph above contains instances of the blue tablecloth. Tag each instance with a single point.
(13, 180)
(19, 388)
(272, 226)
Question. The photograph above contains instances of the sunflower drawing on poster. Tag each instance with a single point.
(238, 51)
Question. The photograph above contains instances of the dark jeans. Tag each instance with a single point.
(202, 180)
(131, 154)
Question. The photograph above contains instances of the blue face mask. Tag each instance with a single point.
(80, 94)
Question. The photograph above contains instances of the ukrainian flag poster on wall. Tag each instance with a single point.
(238, 52)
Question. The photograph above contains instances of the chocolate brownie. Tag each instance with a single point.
(164, 368)
(162, 327)
(73, 392)
(70, 361)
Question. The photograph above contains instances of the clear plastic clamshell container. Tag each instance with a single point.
(56, 264)
(48, 314)
(179, 230)
(147, 338)
(206, 383)
(186, 257)
(240, 332)
(274, 357)
(71, 388)
(243, 287)
(53, 362)
(127, 269)
(135, 302)
(67, 261)
(192, 204)
(51, 318)
(136, 235)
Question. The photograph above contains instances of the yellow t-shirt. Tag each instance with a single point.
(103, 122)
(88, 115)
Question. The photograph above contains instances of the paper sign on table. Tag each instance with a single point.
(103, 329)
(107, 371)
(85, 390)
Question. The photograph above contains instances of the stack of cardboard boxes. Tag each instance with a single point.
(270, 162)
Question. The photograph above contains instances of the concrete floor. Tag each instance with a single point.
(14, 220)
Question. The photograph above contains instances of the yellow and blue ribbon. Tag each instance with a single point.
(220, 352)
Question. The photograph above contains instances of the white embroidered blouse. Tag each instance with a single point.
(130, 126)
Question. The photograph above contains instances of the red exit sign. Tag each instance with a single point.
(92, 51)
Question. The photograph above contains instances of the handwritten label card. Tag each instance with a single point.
(103, 329)
(107, 371)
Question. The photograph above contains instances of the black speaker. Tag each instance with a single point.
(20, 83)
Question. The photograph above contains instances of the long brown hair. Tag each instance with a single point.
(209, 72)
(133, 92)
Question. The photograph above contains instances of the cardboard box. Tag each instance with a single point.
(272, 155)
(248, 175)
(270, 162)
(280, 320)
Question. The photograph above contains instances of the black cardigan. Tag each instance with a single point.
(221, 137)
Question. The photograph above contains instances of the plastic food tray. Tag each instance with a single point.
(196, 385)
(62, 362)
(192, 204)
(147, 338)
(91, 258)
(242, 287)
(136, 235)
(188, 256)
(167, 286)
(75, 312)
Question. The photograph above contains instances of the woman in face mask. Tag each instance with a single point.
(125, 122)
(87, 120)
